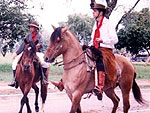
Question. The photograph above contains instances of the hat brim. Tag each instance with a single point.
(98, 6)
(33, 25)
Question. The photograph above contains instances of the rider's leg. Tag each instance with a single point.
(15, 82)
(44, 65)
(14, 65)
(101, 80)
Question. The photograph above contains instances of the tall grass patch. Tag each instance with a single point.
(56, 72)
(142, 71)
(5, 68)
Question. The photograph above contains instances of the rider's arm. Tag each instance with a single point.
(21, 48)
(39, 44)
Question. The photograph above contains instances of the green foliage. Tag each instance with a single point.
(135, 35)
(5, 68)
(81, 25)
(13, 23)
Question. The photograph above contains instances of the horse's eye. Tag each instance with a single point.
(58, 39)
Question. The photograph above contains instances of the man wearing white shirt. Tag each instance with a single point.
(104, 38)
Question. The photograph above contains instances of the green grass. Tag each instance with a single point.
(142, 71)
(7, 75)
(57, 72)
(5, 68)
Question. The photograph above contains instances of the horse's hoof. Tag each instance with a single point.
(41, 111)
(37, 109)
(29, 111)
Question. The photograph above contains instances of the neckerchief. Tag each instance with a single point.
(97, 34)
(34, 38)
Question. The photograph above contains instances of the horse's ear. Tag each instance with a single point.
(53, 27)
(64, 29)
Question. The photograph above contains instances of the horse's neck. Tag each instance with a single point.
(73, 49)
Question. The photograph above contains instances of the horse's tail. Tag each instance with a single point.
(136, 91)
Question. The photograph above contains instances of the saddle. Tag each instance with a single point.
(91, 63)
(92, 54)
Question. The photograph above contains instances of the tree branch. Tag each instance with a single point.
(126, 14)
(110, 6)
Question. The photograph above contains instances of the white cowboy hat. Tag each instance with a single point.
(34, 24)
(99, 4)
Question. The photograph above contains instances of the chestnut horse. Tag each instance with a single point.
(77, 81)
(28, 74)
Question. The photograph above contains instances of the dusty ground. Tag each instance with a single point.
(58, 102)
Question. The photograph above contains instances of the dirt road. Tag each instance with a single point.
(58, 102)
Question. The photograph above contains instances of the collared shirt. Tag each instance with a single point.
(107, 34)
(29, 38)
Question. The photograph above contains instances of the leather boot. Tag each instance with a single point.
(59, 84)
(44, 79)
(101, 82)
(15, 82)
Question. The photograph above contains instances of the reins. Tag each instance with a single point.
(69, 62)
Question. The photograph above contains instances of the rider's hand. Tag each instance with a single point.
(99, 40)
(14, 56)
(38, 46)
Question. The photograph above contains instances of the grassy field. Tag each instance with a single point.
(56, 72)
(6, 70)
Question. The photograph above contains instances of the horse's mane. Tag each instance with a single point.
(56, 33)
(27, 45)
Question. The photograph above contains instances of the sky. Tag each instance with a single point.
(55, 11)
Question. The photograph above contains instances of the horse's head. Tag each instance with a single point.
(57, 45)
(28, 55)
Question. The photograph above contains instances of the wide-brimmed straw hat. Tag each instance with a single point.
(34, 24)
(98, 4)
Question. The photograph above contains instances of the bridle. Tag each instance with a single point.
(58, 48)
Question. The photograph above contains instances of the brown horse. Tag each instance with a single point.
(77, 81)
(28, 74)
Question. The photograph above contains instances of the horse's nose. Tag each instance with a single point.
(26, 67)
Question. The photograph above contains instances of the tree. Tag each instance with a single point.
(81, 25)
(13, 23)
(135, 35)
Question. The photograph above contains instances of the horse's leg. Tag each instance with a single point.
(36, 89)
(25, 99)
(125, 87)
(76, 98)
(79, 109)
(28, 106)
(115, 99)
(43, 96)
(44, 91)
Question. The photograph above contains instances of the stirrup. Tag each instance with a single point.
(98, 92)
